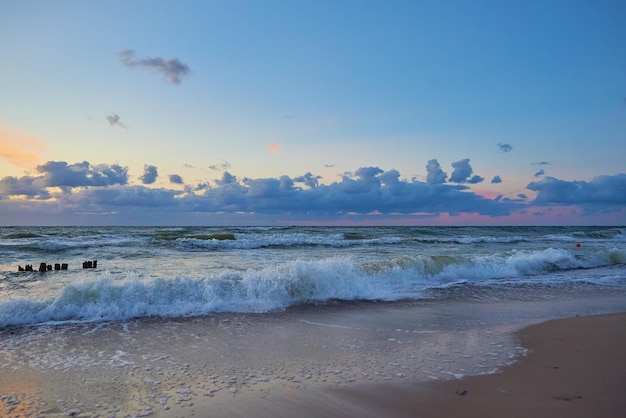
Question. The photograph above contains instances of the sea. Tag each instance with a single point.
(183, 321)
(171, 272)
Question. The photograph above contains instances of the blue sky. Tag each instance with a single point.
(313, 112)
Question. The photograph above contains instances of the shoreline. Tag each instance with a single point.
(575, 367)
(362, 361)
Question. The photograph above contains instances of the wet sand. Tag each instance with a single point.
(364, 360)
(575, 368)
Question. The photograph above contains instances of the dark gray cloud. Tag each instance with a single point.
(171, 68)
(505, 147)
(150, 174)
(175, 179)
(62, 174)
(86, 188)
(130, 196)
(201, 186)
(463, 173)
(366, 179)
(390, 178)
(367, 190)
(435, 175)
(602, 191)
(496, 180)
(114, 120)
(226, 179)
(65, 176)
(27, 186)
(308, 179)
(540, 163)
(539, 173)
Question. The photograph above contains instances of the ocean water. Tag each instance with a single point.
(173, 318)
(176, 272)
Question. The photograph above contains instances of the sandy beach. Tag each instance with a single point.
(574, 368)
(417, 360)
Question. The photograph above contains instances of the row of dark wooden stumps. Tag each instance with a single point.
(43, 267)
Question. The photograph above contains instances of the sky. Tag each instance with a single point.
(313, 112)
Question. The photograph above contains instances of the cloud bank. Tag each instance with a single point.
(172, 69)
(603, 193)
(368, 192)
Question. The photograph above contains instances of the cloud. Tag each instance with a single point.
(114, 120)
(226, 179)
(475, 179)
(65, 176)
(171, 68)
(463, 171)
(221, 166)
(127, 196)
(540, 163)
(367, 190)
(496, 180)
(435, 175)
(273, 147)
(176, 179)
(61, 174)
(601, 193)
(504, 147)
(27, 186)
(308, 179)
(20, 149)
(539, 173)
(71, 189)
(150, 174)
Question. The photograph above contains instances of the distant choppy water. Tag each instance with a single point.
(188, 271)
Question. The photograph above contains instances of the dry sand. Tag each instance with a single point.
(575, 368)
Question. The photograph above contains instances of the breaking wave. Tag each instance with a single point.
(125, 296)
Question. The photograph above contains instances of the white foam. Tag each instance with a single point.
(129, 295)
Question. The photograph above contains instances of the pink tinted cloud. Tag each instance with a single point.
(273, 147)
(19, 148)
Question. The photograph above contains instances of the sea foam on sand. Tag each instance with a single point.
(229, 365)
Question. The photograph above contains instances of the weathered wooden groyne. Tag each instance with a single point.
(43, 267)
(90, 264)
